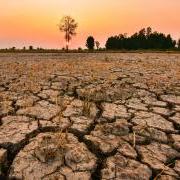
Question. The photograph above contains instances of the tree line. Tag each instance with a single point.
(144, 39)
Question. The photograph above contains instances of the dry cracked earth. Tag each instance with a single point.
(90, 116)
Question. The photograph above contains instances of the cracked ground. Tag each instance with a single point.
(108, 116)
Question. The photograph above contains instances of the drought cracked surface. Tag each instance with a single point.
(90, 116)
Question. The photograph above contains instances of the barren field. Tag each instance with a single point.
(107, 116)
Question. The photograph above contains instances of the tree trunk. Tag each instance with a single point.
(67, 47)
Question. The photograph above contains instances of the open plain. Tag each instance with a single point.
(88, 116)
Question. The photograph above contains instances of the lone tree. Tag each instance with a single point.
(97, 44)
(90, 43)
(68, 25)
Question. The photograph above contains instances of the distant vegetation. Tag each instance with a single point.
(90, 43)
(97, 45)
(31, 48)
(144, 39)
(178, 44)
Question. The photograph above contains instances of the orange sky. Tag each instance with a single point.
(34, 22)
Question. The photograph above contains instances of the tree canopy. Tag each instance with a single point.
(144, 39)
(178, 44)
(90, 43)
(68, 25)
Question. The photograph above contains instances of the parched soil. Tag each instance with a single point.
(90, 116)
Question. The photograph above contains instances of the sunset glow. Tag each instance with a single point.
(32, 22)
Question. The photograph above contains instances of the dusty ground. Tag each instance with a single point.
(90, 116)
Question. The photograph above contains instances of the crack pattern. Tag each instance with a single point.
(118, 119)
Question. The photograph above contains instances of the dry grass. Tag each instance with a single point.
(60, 103)
(86, 108)
(61, 140)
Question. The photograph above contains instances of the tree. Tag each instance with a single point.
(90, 43)
(31, 48)
(68, 25)
(144, 39)
(178, 44)
(13, 48)
(97, 44)
(148, 31)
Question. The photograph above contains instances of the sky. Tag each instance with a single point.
(34, 22)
